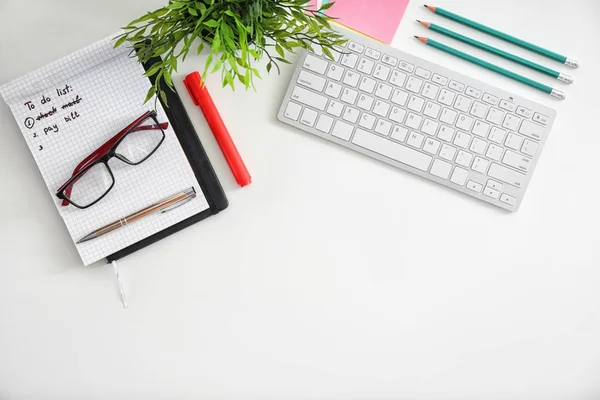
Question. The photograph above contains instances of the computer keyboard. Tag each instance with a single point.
(420, 117)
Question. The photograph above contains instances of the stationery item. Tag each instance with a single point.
(501, 35)
(72, 106)
(378, 19)
(165, 205)
(477, 61)
(420, 117)
(200, 96)
(494, 50)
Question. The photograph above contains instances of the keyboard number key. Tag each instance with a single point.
(462, 103)
(495, 116)
(382, 72)
(349, 60)
(430, 91)
(365, 66)
(398, 78)
(414, 84)
(446, 97)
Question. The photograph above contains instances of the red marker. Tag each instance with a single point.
(201, 98)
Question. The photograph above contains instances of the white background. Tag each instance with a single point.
(332, 276)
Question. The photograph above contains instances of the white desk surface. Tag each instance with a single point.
(332, 276)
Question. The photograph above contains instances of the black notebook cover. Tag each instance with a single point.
(192, 147)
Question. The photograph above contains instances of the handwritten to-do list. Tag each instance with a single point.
(68, 109)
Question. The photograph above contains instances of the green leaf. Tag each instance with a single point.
(120, 41)
(217, 66)
(211, 23)
(192, 11)
(154, 69)
(269, 66)
(150, 94)
(279, 50)
(163, 96)
(327, 6)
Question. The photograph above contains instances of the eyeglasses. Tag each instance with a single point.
(92, 179)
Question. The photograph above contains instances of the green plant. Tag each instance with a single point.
(239, 33)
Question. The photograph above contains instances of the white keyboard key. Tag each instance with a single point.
(459, 176)
(367, 121)
(447, 152)
(365, 102)
(430, 91)
(383, 127)
(416, 103)
(406, 67)
(335, 108)
(529, 147)
(429, 127)
(511, 122)
(508, 199)
(497, 135)
(464, 122)
(517, 161)
(342, 130)
(474, 186)
(432, 109)
(524, 112)
(309, 98)
(318, 50)
(315, 64)
(513, 141)
(324, 123)
(374, 54)
(508, 106)
(480, 165)
(462, 103)
(431, 146)
(494, 152)
(478, 146)
(532, 130)
(367, 84)
(541, 118)
(335, 72)
(349, 96)
(365, 66)
(397, 114)
(491, 193)
(463, 158)
(381, 108)
(494, 185)
(439, 79)
(333, 89)
(448, 116)
(336, 52)
(351, 114)
(312, 81)
(488, 98)
(382, 72)
(356, 47)
(351, 78)
(292, 111)
(506, 175)
(414, 84)
(349, 60)
(476, 93)
(389, 60)
(415, 139)
(495, 116)
(398, 78)
(308, 117)
(423, 73)
(459, 87)
(481, 129)
(446, 97)
(383, 91)
(441, 169)
(446, 133)
(413, 121)
(399, 97)
(395, 151)
(399, 133)
(479, 110)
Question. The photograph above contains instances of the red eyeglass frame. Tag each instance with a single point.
(105, 153)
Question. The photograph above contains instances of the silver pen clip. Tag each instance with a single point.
(179, 203)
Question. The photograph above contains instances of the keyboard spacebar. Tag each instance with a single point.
(395, 151)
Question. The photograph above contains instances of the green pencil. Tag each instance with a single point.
(500, 35)
(509, 74)
(494, 50)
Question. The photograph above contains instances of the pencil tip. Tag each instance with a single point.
(419, 21)
(416, 37)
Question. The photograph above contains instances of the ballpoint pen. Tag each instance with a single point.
(164, 205)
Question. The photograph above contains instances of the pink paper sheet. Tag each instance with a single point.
(376, 18)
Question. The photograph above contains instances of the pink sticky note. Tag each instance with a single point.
(376, 18)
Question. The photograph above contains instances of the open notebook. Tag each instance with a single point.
(69, 108)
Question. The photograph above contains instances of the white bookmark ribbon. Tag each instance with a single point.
(121, 287)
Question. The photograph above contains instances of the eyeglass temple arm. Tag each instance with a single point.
(102, 150)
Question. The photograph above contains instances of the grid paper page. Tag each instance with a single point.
(68, 109)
